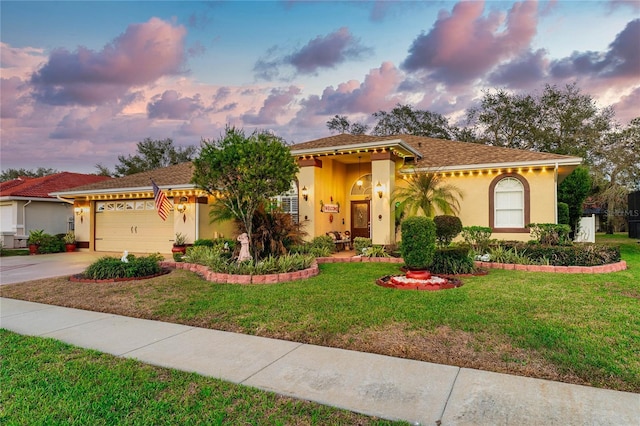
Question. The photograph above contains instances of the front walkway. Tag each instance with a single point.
(387, 387)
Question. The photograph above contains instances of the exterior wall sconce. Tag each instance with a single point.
(359, 181)
(305, 193)
(181, 207)
(79, 212)
(379, 189)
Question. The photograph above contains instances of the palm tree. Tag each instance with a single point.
(427, 193)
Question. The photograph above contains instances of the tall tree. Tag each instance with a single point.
(504, 119)
(243, 172)
(573, 190)
(341, 124)
(427, 193)
(617, 172)
(11, 174)
(569, 122)
(404, 119)
(562, 121)
(153, 154)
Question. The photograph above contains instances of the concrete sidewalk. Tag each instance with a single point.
(391, 388)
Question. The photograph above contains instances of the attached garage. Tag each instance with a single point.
(132, 225)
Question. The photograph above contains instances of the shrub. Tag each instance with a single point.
(215, 260)
(447, 228)
(375, 251)
(418, 242)
(51, 244)
(563, 213)
(323, 242)
(574, 255)
(274, 232)
(550, 233)
(109, 267)
(203, 242)
(452, 260)
(477, 237)
(361, 243)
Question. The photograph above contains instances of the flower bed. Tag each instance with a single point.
(224, 278)
(80, 278)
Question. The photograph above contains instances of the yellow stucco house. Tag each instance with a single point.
(345, 183)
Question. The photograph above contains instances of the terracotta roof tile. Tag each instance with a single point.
(180, 174)
(439, 152)
(41, 187)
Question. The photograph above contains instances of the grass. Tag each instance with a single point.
(579, 328)
(14, 252)
(44, 381)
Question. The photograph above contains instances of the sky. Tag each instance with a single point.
(82, 82)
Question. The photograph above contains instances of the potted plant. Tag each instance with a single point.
(34, 240)
(69, 241)
(179, 244)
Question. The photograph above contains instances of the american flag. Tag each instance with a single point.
(163, 206)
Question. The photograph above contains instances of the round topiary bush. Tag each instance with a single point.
(418, 242)
(447, 228)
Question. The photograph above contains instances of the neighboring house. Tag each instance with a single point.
(26, 204)
(504, 189)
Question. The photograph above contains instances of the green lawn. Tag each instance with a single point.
(45, 382)
(578, 328)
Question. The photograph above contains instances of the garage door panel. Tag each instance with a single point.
(119, 228)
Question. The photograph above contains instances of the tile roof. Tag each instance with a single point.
(439, 152)
(41, 187)
(179, 174)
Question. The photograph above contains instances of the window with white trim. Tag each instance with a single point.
(509, 204)
(288, 202)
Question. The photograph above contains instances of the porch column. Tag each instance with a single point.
(307, 179)
(383, 171)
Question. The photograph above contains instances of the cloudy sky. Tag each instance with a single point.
(83, 82)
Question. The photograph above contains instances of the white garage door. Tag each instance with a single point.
(132, 225)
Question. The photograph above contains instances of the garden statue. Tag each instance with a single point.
(124, 257)
(244, 248)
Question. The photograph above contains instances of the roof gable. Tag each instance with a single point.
(177, 175)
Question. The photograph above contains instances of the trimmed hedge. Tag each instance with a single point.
(418, 242)
(447, 228)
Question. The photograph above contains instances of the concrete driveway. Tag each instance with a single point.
(16, 269)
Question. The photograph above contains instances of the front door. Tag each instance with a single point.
(360, 219)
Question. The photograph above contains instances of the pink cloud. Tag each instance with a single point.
(274, 106)
(627, 108)
(14, 97)
(321, 52)
(144, 53)
(465, 44)
(171, 105)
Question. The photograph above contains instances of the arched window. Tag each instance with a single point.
(365, 189)
(509, 203)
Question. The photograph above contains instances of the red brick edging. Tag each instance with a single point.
(216, 277)
(600, 269)
(222, 278)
